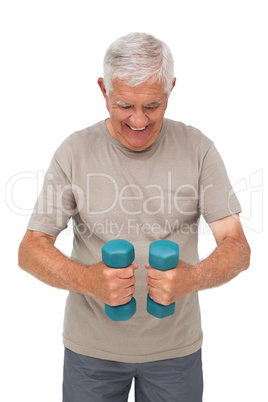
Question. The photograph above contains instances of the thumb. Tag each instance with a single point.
(134, 265)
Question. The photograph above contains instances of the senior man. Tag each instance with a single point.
(140, 177)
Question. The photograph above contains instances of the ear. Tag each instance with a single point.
(174, 83)
(103, 90)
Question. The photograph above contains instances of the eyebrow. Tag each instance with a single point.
(124, 104)
(121, 103)
(154, 104)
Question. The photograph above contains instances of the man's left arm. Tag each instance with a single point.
(231, 256)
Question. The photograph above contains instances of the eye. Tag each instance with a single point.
(125, 107)
(151, 108)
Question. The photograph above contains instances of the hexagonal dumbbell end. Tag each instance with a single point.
(163, 255)
(119, 253)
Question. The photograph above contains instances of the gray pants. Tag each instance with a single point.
(87, 379)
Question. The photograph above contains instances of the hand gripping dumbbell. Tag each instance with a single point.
(119, 253)
(163, 255)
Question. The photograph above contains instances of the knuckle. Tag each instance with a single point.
(166, 302)
(112, 303)
(171, 274)
(128, 270)
(166, 298)
(112, 300)
(169, 287)
(110, 286)
(107, 272)
(113, 295)
(131, 273)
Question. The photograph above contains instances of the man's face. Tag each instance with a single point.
(136, 113)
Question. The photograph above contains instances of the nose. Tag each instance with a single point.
(138, 118)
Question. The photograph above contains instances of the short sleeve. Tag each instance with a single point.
(216, 197)
(55, 204)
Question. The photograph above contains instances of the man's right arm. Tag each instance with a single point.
(39, 257)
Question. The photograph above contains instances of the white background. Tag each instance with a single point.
(51, 57)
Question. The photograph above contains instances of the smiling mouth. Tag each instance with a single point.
(137, 129)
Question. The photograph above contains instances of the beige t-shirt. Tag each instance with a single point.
(112, 192)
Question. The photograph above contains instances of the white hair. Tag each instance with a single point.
(137, 58)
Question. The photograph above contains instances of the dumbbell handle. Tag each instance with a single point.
(163, 255)
(119, 253)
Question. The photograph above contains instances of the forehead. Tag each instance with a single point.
(147, 91)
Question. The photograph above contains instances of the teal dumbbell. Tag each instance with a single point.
(163, 255)
(119, 253)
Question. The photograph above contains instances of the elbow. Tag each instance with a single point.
(245, 252)
(25, 251)
(241, 251)
(22, 256)
(248, 256)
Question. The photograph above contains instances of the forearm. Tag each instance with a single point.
(229, 259)
(40, 258)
